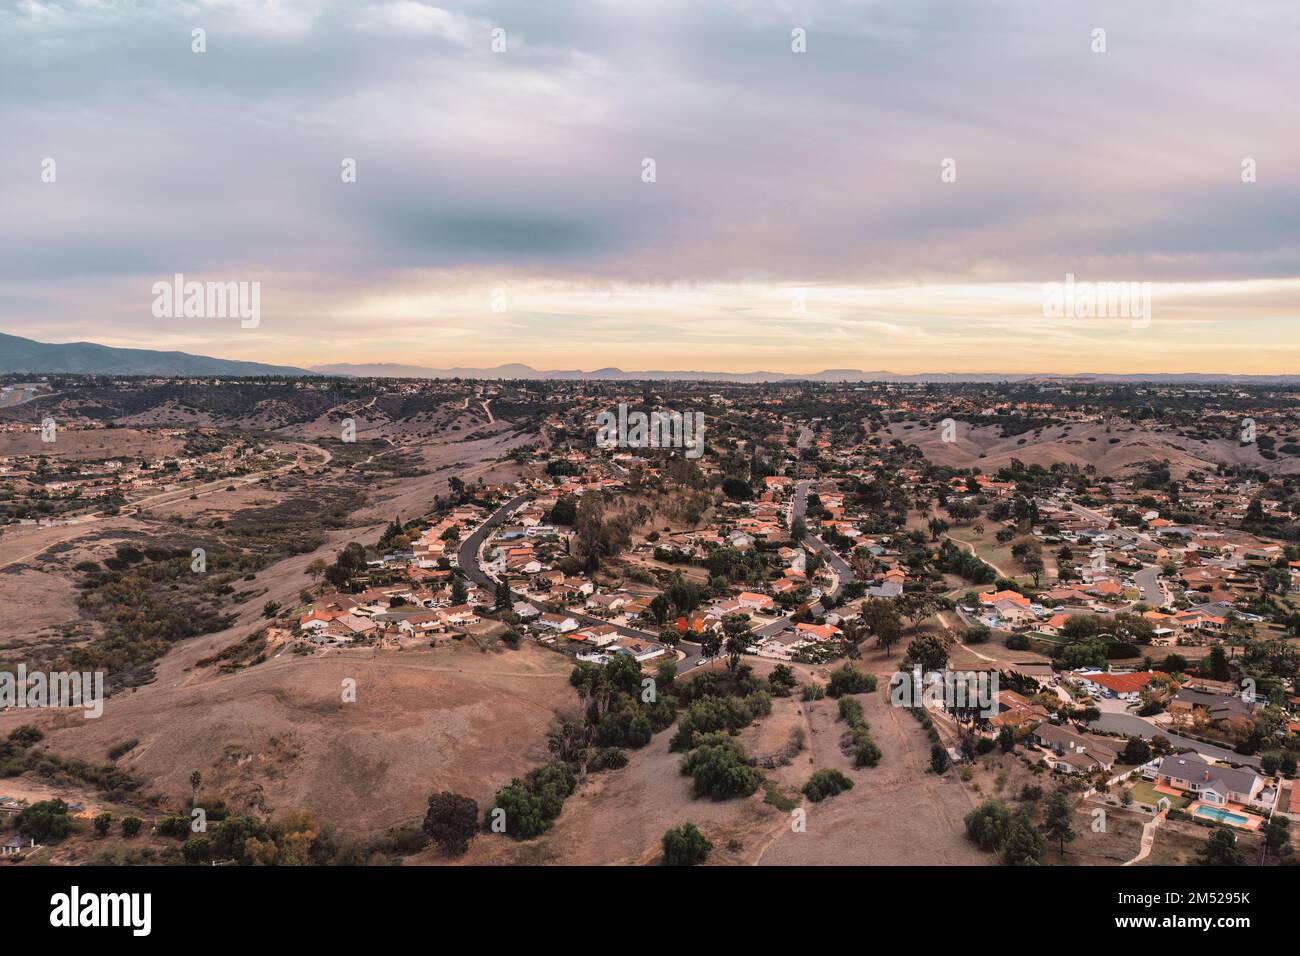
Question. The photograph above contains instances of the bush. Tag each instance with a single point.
(685, 846)
(826, 783)
(812, 692)
(532, 804)
(118, 749)
(720, 768)
(938, 758)
(988, 825)
(46, 821)
(131, 826)
(849, 680)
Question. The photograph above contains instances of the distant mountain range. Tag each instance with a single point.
(85, 358)
(391, 370)
(20, 355)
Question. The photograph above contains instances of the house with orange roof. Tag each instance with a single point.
(1122, 686)
(820, 632)
(1015, 597)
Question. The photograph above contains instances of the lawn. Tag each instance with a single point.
(1145, 792)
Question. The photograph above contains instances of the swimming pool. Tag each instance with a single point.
(1222, 816)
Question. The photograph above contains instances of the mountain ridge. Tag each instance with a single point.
(21, 355)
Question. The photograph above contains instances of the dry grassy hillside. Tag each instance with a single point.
(1111, 449)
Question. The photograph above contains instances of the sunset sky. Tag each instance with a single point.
(781, 178)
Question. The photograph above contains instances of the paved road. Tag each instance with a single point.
(468, 557)
(1135, 726)
(1148, 582)
(798, 508)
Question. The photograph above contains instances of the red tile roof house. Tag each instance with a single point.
(754, 601)
(1123, 686)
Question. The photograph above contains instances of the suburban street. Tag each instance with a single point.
(1134, 726)
(468, 556)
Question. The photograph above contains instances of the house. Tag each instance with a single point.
(9, 807)
(1016, 710)
(1212, 783)
(1123, 686)
(755, 602)
(599, 635)
(18, 844)
(818, 632)
(525, 610)
(638, 649)
(557, 622)
(995, 597)
(1216, 706)
(607, 602)
(461, 615)
(1074, 752)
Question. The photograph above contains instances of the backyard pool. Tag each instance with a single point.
(1222, 816)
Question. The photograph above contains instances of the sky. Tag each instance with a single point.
(898, 196)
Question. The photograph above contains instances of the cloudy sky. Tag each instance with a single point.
(798, 218)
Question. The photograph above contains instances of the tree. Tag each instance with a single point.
(929, 652)
(978, 633)
(710, 644)
(720, 767)
(46, 821)
(1220, 849)
(685, 846)
(197, 850)
(1023, 846)
(1136, 751)
(1058, 820)
(881, 619)
(988, 825)
(131, 826)
(1217, 665)
(1277, 839)
(503, 595)
(938, 758)
(739, 638)
(317, 568)
(459, 593)
(102, 823)
(451, 821)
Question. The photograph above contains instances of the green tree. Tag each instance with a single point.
(1220, 849)
(739, 638)
(451, 821)
(46, 821)
(1058, 820)
(988, 825)
(131, 826)
(685, 846)
(102, 823)
(1023, 846)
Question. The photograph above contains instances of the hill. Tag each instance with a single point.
(18, 354)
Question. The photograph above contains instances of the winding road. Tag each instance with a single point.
(470, 562)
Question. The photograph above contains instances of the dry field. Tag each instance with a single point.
(279, 736)
(897, 813)
(1082, 444)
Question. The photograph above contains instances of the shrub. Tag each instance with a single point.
(451, 821)
(720, 768)
(826, 783)
(849, 680)
(685, 846)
